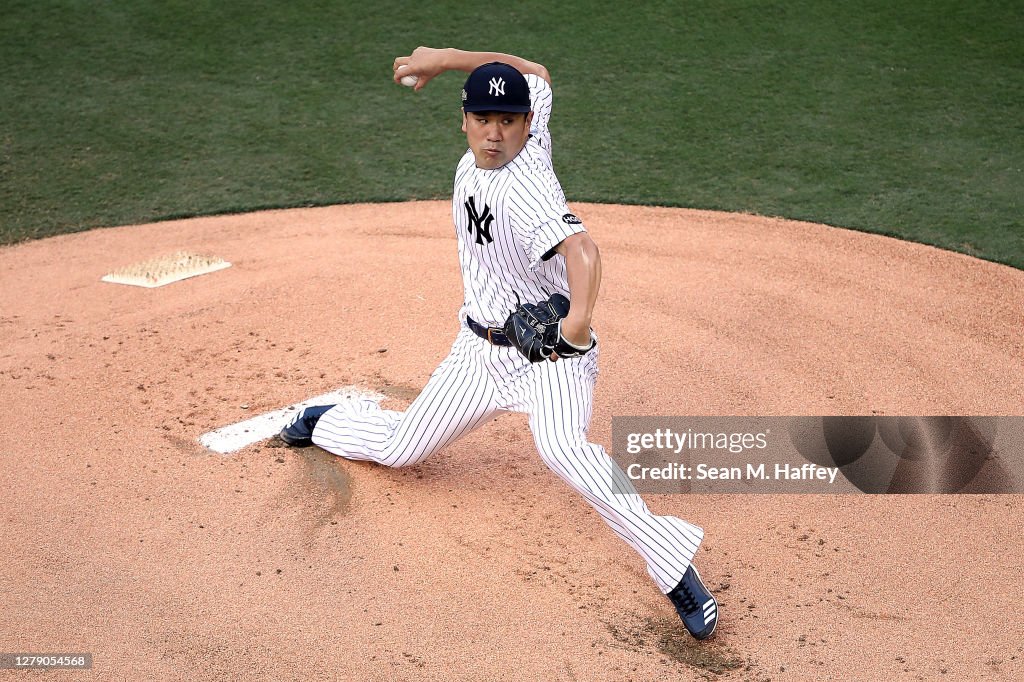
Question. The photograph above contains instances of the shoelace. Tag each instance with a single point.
(688, 601)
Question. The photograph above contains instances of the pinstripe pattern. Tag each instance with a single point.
(457, 399)
(527, 203)
(478, 380)
(559, 401)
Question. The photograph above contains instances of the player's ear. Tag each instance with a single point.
(464, 118)
(529, 120)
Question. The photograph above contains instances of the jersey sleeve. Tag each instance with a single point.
(541, 219)
(540, 99)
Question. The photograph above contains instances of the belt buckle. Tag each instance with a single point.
(489, 339)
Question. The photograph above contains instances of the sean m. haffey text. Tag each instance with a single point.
(667, 440)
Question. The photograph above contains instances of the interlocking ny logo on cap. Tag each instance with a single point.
(496, 86)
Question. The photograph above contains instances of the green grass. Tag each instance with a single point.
(903, 118)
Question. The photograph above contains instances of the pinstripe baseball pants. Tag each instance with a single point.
(477, 381)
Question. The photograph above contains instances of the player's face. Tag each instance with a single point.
(496, 137)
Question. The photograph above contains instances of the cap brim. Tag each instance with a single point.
(505, 108)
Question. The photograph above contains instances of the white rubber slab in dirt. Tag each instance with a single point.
(234, 437)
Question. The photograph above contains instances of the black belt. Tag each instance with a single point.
(493, 335)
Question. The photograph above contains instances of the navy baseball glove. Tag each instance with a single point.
(534, 329)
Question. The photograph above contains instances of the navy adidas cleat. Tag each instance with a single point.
(299, 434)
(695, 604)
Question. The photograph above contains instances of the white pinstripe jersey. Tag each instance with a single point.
(507, 219)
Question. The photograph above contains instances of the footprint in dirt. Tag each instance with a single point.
(323, 476)
(669, 639)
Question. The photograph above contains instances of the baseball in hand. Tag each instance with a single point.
(410, 81)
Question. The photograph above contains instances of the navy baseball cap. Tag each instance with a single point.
(496, 87)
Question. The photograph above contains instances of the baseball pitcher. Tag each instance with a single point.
(531, 275)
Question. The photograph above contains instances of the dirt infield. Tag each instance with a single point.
(127, 539)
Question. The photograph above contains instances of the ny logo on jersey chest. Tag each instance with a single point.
(480, 223)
